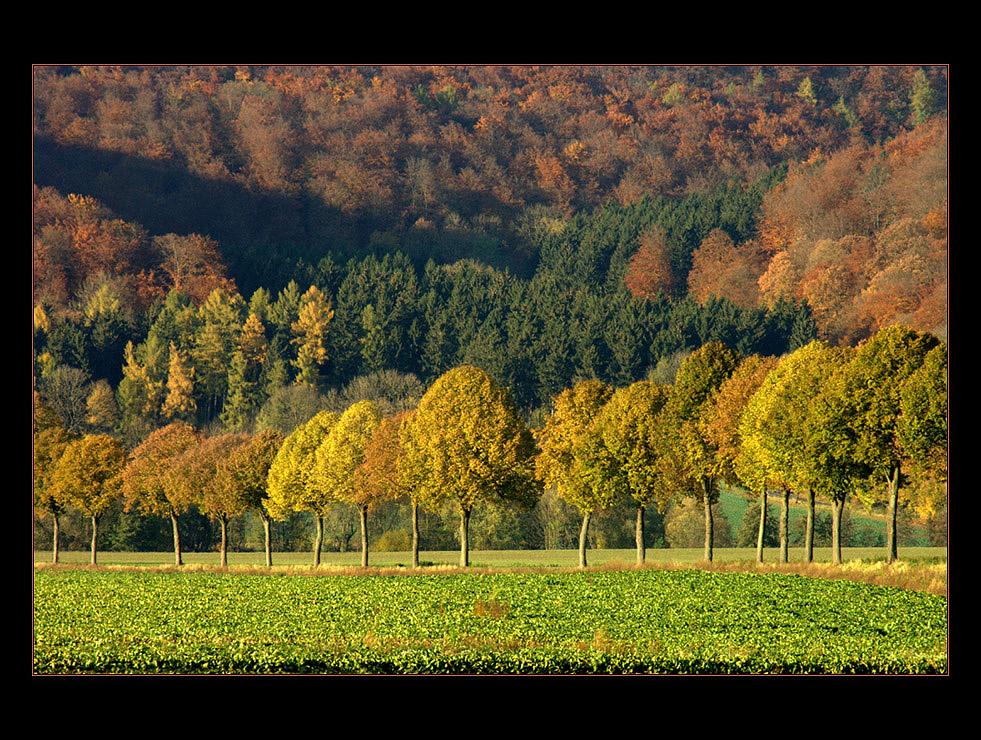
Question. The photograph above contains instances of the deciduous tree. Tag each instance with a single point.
(88, 476)
(559, 463)
(152, 479)
(872, 385)
(622, 451)
(467, 444)
(339, 456)
(50, 441)
(693, 459)
(722, 426)
(290, 484)
(249, 464)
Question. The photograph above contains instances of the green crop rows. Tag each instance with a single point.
(649, 621)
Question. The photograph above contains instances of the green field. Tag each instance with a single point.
(441, 621)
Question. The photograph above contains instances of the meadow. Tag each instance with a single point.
(507, 614)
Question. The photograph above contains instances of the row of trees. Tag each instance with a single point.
(830, 422)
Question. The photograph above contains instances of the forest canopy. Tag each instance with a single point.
(545, 223)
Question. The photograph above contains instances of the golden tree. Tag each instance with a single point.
(88, 476)
(290, 484)
(310, 330)
(467, 444)
(338, 457)
(560, 460)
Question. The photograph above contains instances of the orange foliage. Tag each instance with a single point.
(723, 270)
(649, 271)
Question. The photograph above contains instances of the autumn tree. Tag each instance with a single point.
(205, 467)
(693, 459)
(50, 441)
(467, 444)
(290, 484)
(377, 477)
(650, 270)
(249, 465)
(339, 456)
(179, 402)
(722, 269)
(922, 427)
(872, 385)
(88, 476)
(722, 426)
(310, 335)
(559, 463)
(623, 450)
(152, 479)
(781, 439)
(192, 264)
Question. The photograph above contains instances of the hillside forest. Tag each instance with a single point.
(239, 248)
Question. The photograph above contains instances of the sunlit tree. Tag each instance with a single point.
(88, 476)
(559, 464)
(467, 444)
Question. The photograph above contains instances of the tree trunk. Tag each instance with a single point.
(54, 538)
(709, 524)
(639, 535)
(177, 540)
(837, 505)
(364, 536)
(785, 527)
(892, 546)
(415, 535)
(95, 537)
(583, 531)
(224, 542)
(267, 528)
(464, 537)
(760, 535)
(318, 540)
(809, 532)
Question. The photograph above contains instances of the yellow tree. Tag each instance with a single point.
(693, 459)
(781, 441)
(310, 335)
(622, 451)
(467, 444)
(152, 479)
(50, 440)
(338, 457)
(560, 459)
(290, 485)
(871, 386)
(179, 402)
(88, 476)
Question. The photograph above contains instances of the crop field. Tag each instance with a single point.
(595, 621)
